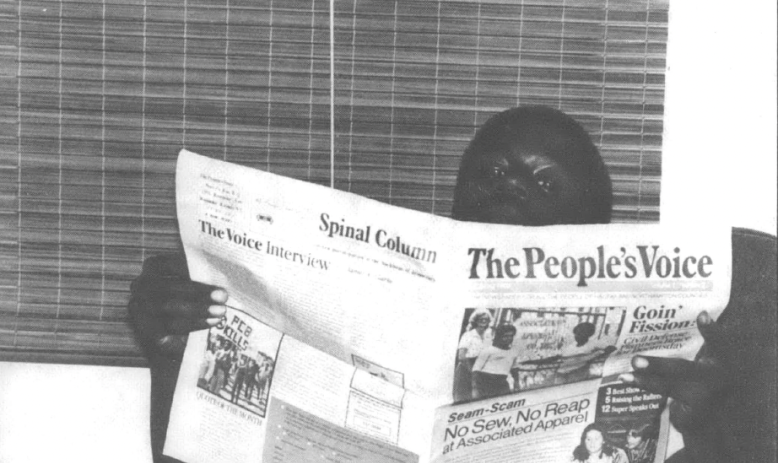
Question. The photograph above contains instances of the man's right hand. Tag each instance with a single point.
(165, 305)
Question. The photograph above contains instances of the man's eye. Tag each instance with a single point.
(545, 184)
(498, 172)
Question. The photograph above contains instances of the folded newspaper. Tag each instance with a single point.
(359, 331)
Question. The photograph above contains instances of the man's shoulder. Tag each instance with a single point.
(753, 238)
(754, 263)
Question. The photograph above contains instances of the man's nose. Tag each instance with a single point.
(514, 186)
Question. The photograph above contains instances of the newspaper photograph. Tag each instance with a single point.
(238, 361)
(548, 347)
(361, 329)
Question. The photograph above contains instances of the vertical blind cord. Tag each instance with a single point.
(332, 93)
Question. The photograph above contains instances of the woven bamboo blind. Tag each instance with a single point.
(98, 97)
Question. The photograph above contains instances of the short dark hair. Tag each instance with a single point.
(584, 329)
(642, 430)
(503, 329)
(558, 136)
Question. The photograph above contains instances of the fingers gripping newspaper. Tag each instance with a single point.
(359, 331)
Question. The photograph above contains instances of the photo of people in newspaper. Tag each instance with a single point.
(630, 418)
(239, 360)
(596, 446)
(506, 350)
(611, 443)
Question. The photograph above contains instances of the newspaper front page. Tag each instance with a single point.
(359, 331)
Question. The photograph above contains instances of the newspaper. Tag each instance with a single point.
(359, 331)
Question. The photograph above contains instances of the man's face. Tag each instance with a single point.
(522, 186)
(633, 440)
(505, 340)
(580, 338)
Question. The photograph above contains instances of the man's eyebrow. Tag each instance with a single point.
(544, 167)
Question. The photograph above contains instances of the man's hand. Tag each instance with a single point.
(165, 305)
(695, 385)
(697, 388)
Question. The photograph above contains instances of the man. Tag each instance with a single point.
(536, 166)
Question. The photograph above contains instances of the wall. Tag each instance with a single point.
(719, 153)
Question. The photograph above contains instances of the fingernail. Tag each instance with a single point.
(640, 362)
(703, 318)
(213, 321)
(217, 310)
(627, 378)
(219, 295)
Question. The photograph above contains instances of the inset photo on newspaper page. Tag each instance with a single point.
(392, 376)
(629, 419)
(626, 426)
(239, 360)
(507, 350)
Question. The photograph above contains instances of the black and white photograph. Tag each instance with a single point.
(561, 114)
(507, 350)
(239, 360)
(596, 445)
(630, 418)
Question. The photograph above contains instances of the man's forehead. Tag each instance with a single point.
(533, 158)
(533, 146)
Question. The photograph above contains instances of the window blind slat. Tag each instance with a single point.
(98, 97)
